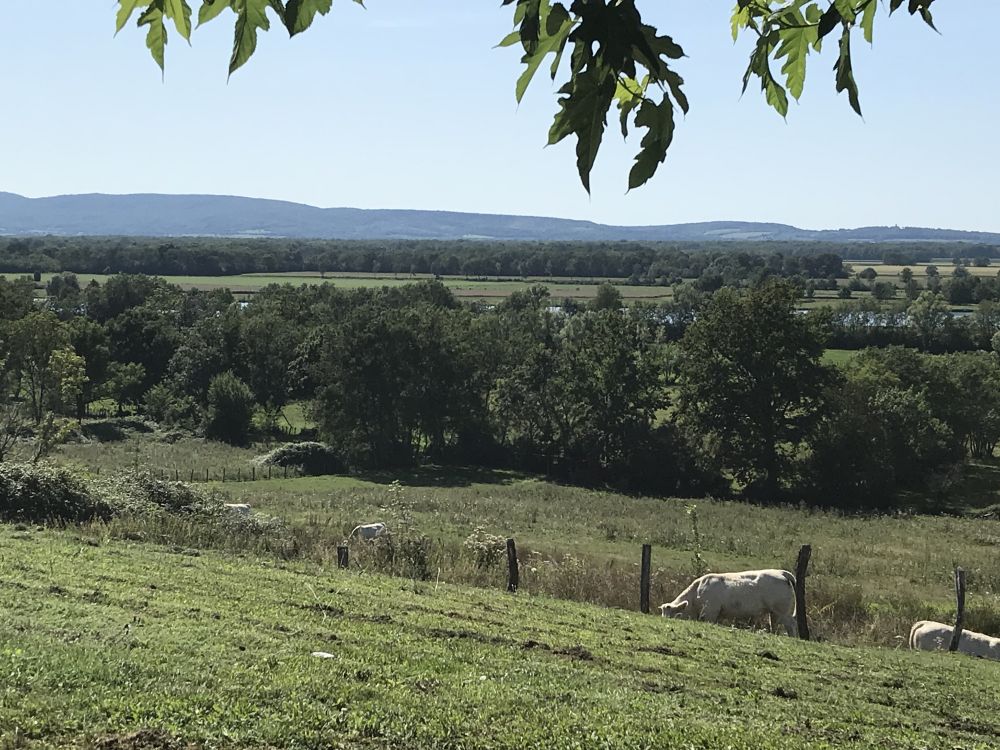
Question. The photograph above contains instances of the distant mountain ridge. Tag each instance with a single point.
(151, 214)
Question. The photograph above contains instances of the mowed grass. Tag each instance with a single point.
(113, 644)
(462, 287)
(839, 357)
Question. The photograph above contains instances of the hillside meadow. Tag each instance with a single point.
(114, 644)
(871, 576)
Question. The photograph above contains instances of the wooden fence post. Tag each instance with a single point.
(253, 473)
(223, 473)
(343, 556)
(801, 566)
(192, 476)
(956, 634)
(513, 574)
(206, 475)
(286, 471)
(647, 552)
(239, 473)
(269, 471)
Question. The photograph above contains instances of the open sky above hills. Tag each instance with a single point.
(408, 105)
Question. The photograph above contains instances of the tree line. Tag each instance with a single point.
(718, 393)
(643, 262)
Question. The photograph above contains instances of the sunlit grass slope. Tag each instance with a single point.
(135, 645)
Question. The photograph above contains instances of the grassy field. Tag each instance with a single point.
(839, 357)
(945, 267)
(122, 645)
(871, 576)
(461, 286)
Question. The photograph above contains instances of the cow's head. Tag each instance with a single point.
(674, 610)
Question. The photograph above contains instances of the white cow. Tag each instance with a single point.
(750, 593)
(928, 635)
(368, 530)
(242, 509)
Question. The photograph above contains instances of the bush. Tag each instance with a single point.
(309, 457)
(139, 493)
(230, 409)
(47, 495)
(169, 408)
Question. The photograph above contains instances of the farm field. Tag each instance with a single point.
(945, 267)
(462, 287)
(114, 644)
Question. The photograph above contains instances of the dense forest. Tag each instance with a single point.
(704, 394)
(642, 263)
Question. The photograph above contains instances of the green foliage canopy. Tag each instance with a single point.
(616, 59)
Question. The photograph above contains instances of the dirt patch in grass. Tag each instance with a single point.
(144, 739)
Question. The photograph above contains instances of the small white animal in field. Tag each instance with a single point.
(750, 593)
(368, 530)
(927, 635)
(242, 509)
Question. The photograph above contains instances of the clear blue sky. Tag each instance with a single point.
(408, 105)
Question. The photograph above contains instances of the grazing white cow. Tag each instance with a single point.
(242, 509)
(750, 593)
(368, 530)
(928, 635)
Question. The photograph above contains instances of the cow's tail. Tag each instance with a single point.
(791, 582)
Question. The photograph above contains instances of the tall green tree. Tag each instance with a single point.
(928, 314)
(750, 384)
(230, 410)
(32, 340)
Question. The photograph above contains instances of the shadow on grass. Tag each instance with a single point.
(443, 476)
(975, 492)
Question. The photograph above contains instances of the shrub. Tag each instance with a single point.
(139, 493)
(170, 408)
(486, 549)
(40, 494)
(309, 457)
(230, 409)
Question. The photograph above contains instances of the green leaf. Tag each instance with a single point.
(558, 26)
(156, 35)
(868, 20)
(210, 9)
(845, 74)
(250, 16)
(774, 92)
(659, 121)
(846, 9)
(828, 21)
(629, 93)
(794, 48)
(179, 12)
(583, 111)
(299, 14)
(740, 20)
(125, 10)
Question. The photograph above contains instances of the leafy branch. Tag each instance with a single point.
(615, 59)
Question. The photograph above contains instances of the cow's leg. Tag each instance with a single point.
(710, 612)
(791, 627)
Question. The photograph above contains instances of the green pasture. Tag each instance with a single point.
(112, 644)
(945, 267)
(462, 287)
(872, 575)
(839, 357)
